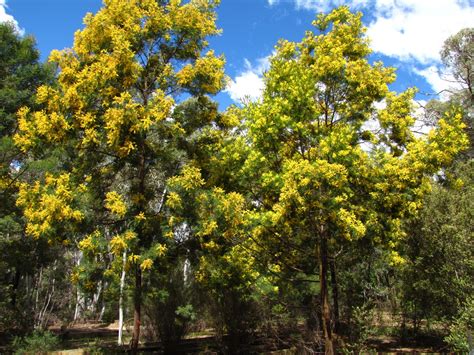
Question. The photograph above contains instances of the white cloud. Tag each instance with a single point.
(4, 17)
(320, 5)
(433, 77)
(246, 85)
(416, 29)
(441, 82)
(423, 124)
(404, 29)
(412, 31)
(249, 84)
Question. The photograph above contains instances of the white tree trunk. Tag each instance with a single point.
(77, 311)
(122, 285)
(95, 300)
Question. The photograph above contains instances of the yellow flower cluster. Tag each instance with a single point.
(208, 228)
(140, 217)
(89, 243)
(207, 73)
(46, 206)
(189, 179)
(115, 204)
(352, 227)
(121, 242)
(396, 259)
(146, 264)
(52, 127)
(117, 245)
(161, 249)
(133, 258)
(173, 200)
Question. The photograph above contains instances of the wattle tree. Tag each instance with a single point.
(318, 175)
(130, 65)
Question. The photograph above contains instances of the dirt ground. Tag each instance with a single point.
(79, 337)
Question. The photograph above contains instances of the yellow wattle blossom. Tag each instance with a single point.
(140, 217)
(146, 264)
(211, 245)
(130, 235)
(206, 72)
(88, 243)
(189, 179)
(74, 277)
(133, 258)
(50, 205)
(173, 200)
(352, 227)
(208, 228)
(52, 127)
(161, 249)
(117, 245)
(396, 259)
(115, 204)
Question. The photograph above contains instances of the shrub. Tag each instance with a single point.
(461, 332)
(38, 342)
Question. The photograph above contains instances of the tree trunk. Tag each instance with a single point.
(95, 300)
(38, 286)
(335, 294)
(79, 307)
(325, 306)
(137, 301)
(122, 285)
(102, 302)
(16, 283)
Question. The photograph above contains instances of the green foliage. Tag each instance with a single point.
(461, 332)
(97, 347)
(38, 342)
(168, 306)
(361, 328)
(186, 312)
(438, 278)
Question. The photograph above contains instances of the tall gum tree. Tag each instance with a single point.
(319, 177)
(458, 57)
(118, 85)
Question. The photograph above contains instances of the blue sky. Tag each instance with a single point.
(407, 34)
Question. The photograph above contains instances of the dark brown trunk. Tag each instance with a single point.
(16, 283)
(335, 294)
(137, 301)
(325, 306)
